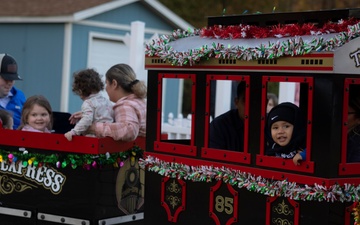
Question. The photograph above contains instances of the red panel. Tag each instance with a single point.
(175, 148)
(57, 142)
(224, 155)
(275, 162)
(286, 164)
(347, 168)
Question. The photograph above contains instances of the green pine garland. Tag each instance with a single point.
(63, 160)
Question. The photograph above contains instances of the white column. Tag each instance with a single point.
(137, 50)
(287, 92)
(66, 76)
(223, 97)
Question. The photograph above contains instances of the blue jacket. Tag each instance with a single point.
(15, 105)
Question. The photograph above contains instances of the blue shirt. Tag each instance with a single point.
(15, 105)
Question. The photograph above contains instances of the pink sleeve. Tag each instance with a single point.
(126, 126)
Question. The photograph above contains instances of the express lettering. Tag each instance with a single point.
(49, 178)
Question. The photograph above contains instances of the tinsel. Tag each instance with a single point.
(346, 30)
(278, 31)
(283, 188)
(356, 213)
(63, 160)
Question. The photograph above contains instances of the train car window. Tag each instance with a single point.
(297, 94)
(350, 148)
(176, 114)
(227, 118)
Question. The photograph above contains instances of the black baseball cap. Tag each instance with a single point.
(8, 67)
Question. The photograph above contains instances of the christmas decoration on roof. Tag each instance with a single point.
(290, 41)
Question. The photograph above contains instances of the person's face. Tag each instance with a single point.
(270, 105)
(5, 86)
(38, 118)
(353, 121)
(281, 132)
(240, 105)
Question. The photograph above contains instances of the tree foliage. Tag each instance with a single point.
(197, 12)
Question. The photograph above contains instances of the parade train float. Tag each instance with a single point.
(189, 183)
(45, 179)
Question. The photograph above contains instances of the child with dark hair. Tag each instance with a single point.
(95, 108)
(6, 119)
(286, 131)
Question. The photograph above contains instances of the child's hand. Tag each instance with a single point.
(297, 159)
(74, 118)
(68, 135)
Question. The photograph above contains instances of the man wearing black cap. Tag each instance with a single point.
(11, 98)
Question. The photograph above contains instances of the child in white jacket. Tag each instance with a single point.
(95, 108)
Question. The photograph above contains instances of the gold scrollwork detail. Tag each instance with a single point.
(174, 187)
(279, 221)
(174, 201)
(9, 185)
(282, 208)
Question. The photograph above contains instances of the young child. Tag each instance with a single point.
(95, 108)
(286, 131)
(6, 119)
(36, 115)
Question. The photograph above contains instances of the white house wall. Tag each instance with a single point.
(38, 50)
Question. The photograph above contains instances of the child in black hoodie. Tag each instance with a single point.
(285, 131)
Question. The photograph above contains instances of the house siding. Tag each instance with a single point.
(38, 50)
(132, 12)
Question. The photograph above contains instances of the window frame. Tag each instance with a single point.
(344, 167)
(221, 154)
(306, 166)
(169, 147)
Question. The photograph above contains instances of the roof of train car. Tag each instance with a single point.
(242, 43)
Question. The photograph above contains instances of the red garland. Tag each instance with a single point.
(281, 30)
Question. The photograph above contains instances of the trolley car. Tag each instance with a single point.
(187, 182)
